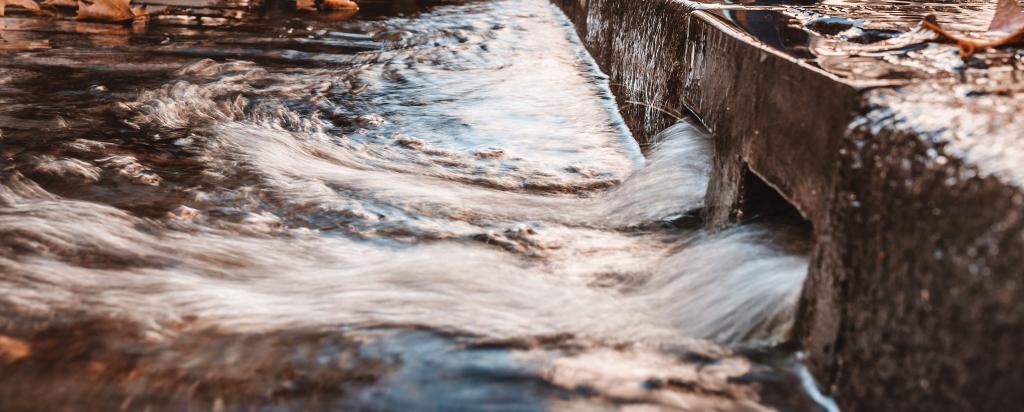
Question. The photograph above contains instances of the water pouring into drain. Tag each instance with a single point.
(427, 223)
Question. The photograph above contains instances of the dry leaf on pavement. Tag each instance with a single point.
(1007, 27)
(1009, 17)
(339, 5)
(25, 4)
(108, 11)
(59, 3)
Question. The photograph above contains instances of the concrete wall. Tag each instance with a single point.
(914, 299)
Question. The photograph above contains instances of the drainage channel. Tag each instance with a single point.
(433, 206)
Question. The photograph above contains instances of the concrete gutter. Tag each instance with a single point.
(903, 157)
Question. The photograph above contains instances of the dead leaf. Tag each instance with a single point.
(13, 349)
(1007, 27)
(339, 5)
(334, 9)
(1009, 17)
(115, 11)
(25, 4)
(59, 3)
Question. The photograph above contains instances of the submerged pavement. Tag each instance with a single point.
(237, 206)
(901, 154)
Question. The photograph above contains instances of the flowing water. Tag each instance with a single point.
(439, 210)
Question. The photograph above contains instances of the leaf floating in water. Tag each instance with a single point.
(115, 11)
(1007, 27)
(25, 4)
(13, 349)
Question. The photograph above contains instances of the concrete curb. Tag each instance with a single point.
(912, 302)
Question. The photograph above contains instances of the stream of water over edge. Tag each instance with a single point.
(440, 210)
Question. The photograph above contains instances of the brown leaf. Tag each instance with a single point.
(108, 11)
(25, 4)
(59, 3)
(13, 349)
(1009, 17)
(339, 5)
(1007, 27)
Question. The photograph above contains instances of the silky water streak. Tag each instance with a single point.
(454, 216)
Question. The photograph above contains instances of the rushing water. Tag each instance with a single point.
(439, 211)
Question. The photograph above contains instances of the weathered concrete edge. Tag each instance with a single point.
(770, 119)
(665, 56)
(777, 121)
(903, 308)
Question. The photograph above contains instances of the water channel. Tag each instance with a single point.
(437, 209)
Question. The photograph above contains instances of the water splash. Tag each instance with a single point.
(466, 186)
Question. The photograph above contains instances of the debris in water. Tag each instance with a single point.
(25, 4)
(491, 153)
(409, 141)
(1007, 27)
(13, 349)
(67, 167)
(113, 11)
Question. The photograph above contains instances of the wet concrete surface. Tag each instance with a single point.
(902, 155)
(915, 295)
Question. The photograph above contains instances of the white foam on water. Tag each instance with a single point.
(534, 219)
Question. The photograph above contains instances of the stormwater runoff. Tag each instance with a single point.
(438, 209)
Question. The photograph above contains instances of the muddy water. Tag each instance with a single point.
(433, 211)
